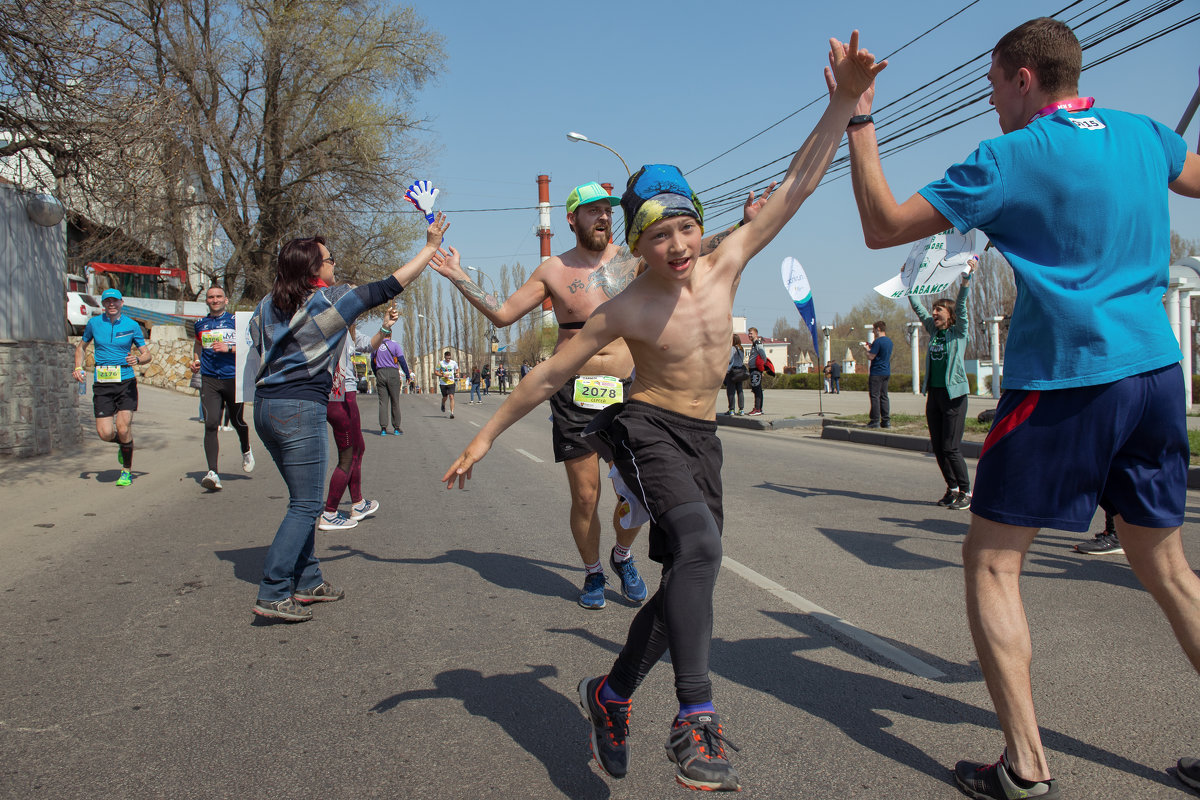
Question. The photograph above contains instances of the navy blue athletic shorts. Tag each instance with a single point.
(1053, 456)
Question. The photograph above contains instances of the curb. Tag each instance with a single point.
(840, 432)
(765, 423)
(837, 431)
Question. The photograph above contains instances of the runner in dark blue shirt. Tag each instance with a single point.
(215, 359)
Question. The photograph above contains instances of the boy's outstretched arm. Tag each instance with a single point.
(855, 70)
(433, 240)
(543, 381)
(884, 221)
(502, 314)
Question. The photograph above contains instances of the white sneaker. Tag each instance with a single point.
(226, 427)
(336, 521)
(248, 461)
(364, 509)
(211, 481)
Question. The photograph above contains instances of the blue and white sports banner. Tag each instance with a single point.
(797, 286)
(933, 265)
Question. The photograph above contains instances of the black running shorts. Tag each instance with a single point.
(109, 398)
(666, 458)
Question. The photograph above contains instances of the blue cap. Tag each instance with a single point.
(111, 294)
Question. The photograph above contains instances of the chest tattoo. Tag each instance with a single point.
(614, 275)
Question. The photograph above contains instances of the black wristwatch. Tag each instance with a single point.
(860, 119)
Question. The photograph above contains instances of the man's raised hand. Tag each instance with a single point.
(752, 207)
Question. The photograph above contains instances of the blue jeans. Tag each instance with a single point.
(294, 433)
(476, 392)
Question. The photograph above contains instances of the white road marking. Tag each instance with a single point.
(531, 456)
(872, 642)
(473, 422)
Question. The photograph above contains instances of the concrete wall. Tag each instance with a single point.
(32, 259)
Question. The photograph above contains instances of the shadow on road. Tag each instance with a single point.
(809, 491)
(247, 562)
(538, 719)
(853, 702)
(502, 569)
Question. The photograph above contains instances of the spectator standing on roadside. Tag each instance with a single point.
(946, 387)
(735, 376)
(879, 353)
(475, 383)
(756, 376)
(390, 368)
(835, 377)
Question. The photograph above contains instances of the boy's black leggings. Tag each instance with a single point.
(679, 616)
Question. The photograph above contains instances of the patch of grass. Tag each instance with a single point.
(1194, 443)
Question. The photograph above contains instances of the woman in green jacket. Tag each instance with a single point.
(946, 387)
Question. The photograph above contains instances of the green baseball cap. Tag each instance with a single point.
(589, 193)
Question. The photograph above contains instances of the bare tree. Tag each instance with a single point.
(292, 117)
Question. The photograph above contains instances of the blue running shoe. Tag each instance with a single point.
(592, 595)
(632, 585)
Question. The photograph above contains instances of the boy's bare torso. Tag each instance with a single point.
(678, 335)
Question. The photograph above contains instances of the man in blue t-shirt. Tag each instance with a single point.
(879, 353)
(1074, 197)
(214, 356)
(114, 386)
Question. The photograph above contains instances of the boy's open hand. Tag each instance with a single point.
(851, 70)
(460, 470)
(437, 229)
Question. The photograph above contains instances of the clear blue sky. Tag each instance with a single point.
(681, 83)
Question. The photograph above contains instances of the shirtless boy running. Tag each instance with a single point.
(578, 281)
(676, 318)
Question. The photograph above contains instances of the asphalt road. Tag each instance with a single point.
(132, 666)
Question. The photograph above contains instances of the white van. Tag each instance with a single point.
(81, 306)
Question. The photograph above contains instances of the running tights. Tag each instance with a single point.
(213, 393)
(348, 438)
(679, 616)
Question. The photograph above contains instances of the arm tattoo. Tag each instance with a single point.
(710, 244)
(473, 292)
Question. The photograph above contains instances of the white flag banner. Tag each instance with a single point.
(933, 265)
(246, 359)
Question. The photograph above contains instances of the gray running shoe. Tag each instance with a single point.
(1188, 772)
(1103, 544)
(697, 746)
(996, 782)
(323, 592)
(961, 501)
(286, 609)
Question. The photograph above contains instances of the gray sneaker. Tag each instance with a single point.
(286, 609)
(323, 592)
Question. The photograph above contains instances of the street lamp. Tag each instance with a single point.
(579, 137)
